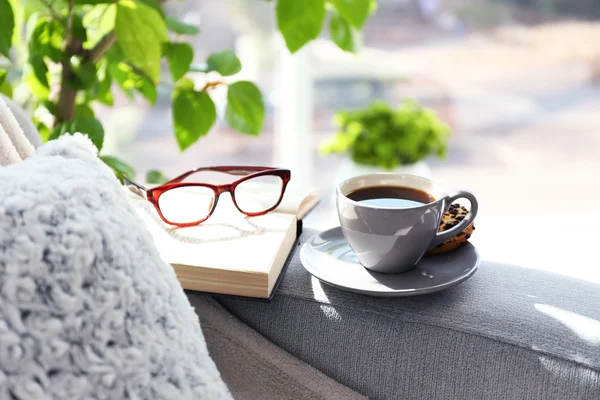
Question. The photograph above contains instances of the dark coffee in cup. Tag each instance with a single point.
(391, 196)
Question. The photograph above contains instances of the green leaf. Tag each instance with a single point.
(119, 167)
(179, 57)
(40, 69)
(38, 89)
(155, 177)
(355, 11)
(50, 106)
(79, 31)
(101, 89)
(42, 129)
(98, 22)
(224, 62)
(83, 110)
(3, 75)
(342, 33)
(140, 30)
(6, 89)
(300, 21)
(185, 84)
(130, 81)
(93, 2)
(7, 27)
(181, 28)
(194, 113)
(372, 7)
(47, 39)
(84, 75)
(155, 5)
(245, 110)
(115, 55)
(89, 126)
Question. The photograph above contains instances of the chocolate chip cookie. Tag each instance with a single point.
(451, 218)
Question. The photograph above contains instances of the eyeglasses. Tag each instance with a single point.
(191, 203)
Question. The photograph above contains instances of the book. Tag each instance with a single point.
(230, 253)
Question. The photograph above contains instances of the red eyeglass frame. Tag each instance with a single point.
(249, 172)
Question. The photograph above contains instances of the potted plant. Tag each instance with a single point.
(381, 138)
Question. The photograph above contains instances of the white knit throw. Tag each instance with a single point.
(88, 310)
(14, 145)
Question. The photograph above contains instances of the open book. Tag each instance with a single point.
(230, 253)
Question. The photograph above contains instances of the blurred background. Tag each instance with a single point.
(518, 81)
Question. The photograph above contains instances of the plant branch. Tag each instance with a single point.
(65, 108)
(210, 85)
(51, 9)
(100, 49)
(70, 22)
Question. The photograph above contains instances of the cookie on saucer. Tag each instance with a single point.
(451, 218)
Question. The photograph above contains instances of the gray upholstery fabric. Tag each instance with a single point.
(254, 368)
(507, 333)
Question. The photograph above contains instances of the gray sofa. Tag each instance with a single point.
(506, 333)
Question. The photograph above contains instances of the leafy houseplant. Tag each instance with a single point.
(385, 137)
(67, 55)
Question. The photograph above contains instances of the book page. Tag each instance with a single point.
(298, 201)
(228, 240)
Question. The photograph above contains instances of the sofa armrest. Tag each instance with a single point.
(506, 333)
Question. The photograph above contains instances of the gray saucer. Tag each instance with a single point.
(328, 257)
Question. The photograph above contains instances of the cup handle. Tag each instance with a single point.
(462, 225)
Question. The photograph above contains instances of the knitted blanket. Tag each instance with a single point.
(87, 308)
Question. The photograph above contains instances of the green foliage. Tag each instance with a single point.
(354, 11)
(130, 81)
(71, 55)
(7, 26)
(5, 87)
(245, 110)
(179, 56)
(347, 18)
(342, 33)
(155, 177)
(140, 32)
(381, 136)
(47, 39)
(79, 31)
(300, 21)
(98, 22)
(194, 113)
(85, 124)
(224, 62)
(84, 74)
(155, 5)
(180, 27)
(101, 90)
(83, 2)
(40, 70)
(119, 167)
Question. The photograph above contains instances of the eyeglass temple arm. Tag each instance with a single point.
(231, 170)
(135, 188)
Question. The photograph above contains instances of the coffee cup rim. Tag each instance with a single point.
(356, 203)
